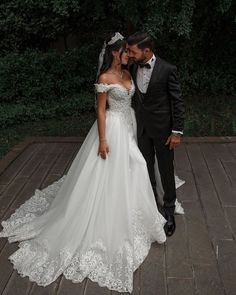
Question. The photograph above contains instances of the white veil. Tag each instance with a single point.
(115, 38)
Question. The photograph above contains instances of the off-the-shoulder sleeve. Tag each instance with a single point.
(101, 87)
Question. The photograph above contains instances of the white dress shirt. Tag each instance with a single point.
(143, 78)
(144, 75)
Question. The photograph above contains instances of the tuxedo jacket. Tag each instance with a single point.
(161, 109)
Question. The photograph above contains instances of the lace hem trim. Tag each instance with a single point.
(34, 259)
(35, 206)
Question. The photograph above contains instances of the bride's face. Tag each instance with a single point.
(121, 55)
(124, 57)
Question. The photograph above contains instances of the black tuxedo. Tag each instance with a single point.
(161, 108)
(158, 111)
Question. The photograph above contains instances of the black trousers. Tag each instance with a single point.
(150, 147)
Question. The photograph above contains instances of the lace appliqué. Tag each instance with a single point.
(101, 87)
(33, 258)
(19, 221)
(119, 101)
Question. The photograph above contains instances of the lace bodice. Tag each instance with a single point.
(119, 98)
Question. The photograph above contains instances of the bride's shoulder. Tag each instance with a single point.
(104, 79)
(103, 83)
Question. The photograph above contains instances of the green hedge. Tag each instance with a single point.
(37, 85)
(11, 114)
(210, 116)
(35, 76)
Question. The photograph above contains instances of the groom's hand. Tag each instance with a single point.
(173, 141)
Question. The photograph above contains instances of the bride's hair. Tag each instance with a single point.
(108, 57)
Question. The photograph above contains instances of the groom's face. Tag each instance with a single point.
(136, 54)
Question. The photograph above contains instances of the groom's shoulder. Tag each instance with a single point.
(166, 64)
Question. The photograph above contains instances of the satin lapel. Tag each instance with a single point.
(135, 69)
(155, 72)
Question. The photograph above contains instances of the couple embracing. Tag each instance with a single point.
(158, 106)
(99, 220)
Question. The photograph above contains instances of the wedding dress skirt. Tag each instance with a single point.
(98, 220)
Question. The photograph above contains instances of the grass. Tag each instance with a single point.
(210, 116)
(65, 126)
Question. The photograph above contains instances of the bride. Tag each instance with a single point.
(98, 220)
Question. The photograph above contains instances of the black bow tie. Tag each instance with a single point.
(142, 65)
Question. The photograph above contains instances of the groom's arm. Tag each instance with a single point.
(178, 108)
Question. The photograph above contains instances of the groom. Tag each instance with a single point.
(159, 109)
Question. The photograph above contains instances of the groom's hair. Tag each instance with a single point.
(141, 39)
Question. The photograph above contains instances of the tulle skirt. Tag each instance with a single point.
(97, 221)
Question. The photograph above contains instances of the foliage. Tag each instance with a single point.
(13, 114)
(29, 23)
(210, 116)
(37, 82)
(62, 126)
(34, 76)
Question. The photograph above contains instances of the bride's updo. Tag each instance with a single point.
(108, 57)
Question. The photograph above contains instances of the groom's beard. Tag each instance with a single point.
(141, 61)
(131, 61)
(138, 61)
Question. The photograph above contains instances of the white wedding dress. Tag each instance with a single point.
(99, 219)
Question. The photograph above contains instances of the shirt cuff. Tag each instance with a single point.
(177, 132)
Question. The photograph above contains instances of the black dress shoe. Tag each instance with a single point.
(170, 226)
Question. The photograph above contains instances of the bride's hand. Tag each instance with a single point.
(103, 149)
